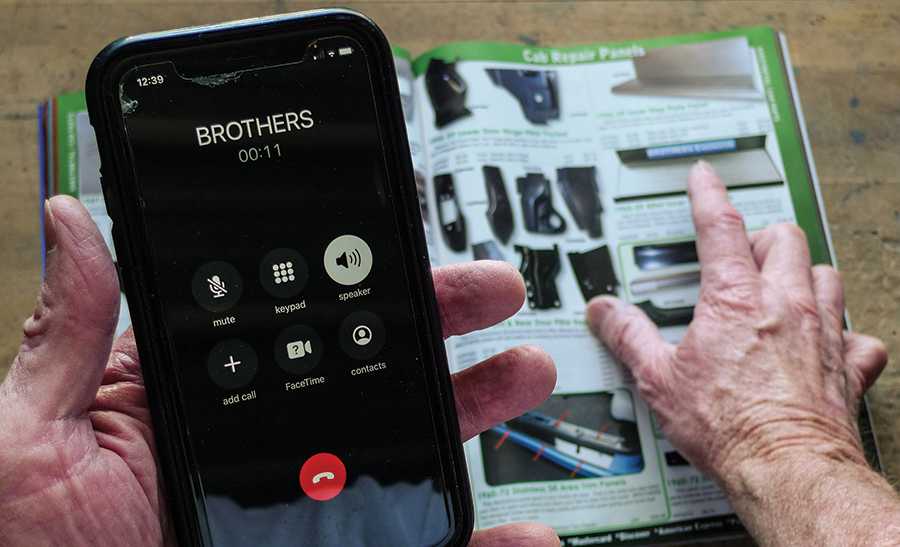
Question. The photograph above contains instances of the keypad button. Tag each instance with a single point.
(283, 273)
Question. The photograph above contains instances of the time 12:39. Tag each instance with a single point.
(144, 81)
(260, 153)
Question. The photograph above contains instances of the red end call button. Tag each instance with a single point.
(323, 476)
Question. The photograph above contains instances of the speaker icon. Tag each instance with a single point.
(347, 259)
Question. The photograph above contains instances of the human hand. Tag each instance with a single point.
(77, 457)
(765, 370)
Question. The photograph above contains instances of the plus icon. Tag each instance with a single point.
(232, 363)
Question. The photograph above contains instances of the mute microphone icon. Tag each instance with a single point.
(217, 287)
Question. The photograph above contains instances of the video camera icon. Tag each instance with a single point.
(298, 349)
(348, 259)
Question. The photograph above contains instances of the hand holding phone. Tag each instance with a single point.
(105, 447)
(266, 221)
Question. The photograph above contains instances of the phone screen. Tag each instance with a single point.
(267, 197)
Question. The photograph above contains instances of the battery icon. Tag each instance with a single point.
(345, 51)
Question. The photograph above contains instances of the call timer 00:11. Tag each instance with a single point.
(258, 153)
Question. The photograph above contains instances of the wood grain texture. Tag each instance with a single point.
(846, 66)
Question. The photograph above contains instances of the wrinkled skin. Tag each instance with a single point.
(765, 376)
(77, 457)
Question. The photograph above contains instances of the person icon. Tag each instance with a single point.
(362, 335)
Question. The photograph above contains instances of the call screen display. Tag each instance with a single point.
(271, 215)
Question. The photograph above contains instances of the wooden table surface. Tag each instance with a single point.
(846, 63)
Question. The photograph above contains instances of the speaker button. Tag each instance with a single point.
(348, 260)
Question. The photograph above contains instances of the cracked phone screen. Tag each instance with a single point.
(270, 213)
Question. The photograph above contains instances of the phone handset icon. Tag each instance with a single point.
(325, 475)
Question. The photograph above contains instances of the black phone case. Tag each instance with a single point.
(137, 271)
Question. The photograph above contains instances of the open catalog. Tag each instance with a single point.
(571, 164)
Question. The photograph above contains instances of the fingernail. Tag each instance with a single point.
(49, 227)
(599, 308)
(703, 165)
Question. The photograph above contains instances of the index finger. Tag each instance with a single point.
(722, 244)
(477, 295)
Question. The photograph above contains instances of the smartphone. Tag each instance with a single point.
(268, 232)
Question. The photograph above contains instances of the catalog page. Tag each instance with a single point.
(571, 164)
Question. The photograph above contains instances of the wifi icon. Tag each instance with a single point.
(347, 259)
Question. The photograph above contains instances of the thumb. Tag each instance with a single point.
(627, 331)
(864, 357)
(67, 342)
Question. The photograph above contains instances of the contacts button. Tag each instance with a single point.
(362, 335)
